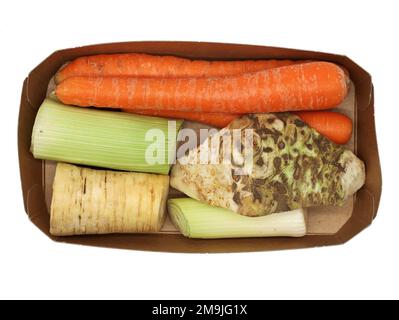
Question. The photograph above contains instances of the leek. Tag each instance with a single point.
(107, 139)
(195, 219)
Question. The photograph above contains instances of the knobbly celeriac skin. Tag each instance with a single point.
(293, 167)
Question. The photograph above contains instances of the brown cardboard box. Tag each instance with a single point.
(328, 227)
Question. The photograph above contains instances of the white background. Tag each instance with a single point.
(31, 266)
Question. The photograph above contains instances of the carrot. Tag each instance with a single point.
(215, 119)
(308, 86)
(335, 126)
(145, 65)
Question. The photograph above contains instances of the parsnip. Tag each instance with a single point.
(88, 201)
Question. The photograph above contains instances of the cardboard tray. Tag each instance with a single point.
(328, 227)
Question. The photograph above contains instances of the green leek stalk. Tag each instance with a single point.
(106, 139)
(199, 220)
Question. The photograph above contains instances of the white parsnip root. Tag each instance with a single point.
(87, 201)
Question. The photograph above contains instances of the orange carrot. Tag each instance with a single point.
(214, 119)
(308, 86)
(335, 126)
(145, 65)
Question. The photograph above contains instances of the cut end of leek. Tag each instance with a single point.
(106, 139)
(198, 220)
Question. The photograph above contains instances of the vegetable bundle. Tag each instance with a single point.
(296, 162)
